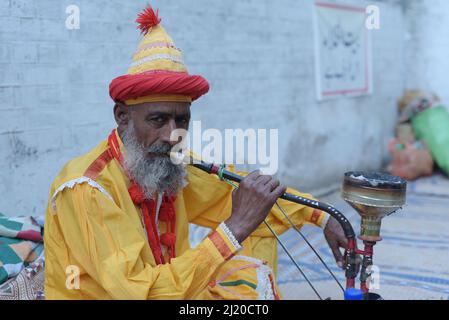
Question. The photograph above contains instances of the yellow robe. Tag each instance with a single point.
(96, 247)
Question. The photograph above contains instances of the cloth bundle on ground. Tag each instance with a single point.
(422, 121)
(414, 102)
(21, 256)
(410, 160)
(432, 126)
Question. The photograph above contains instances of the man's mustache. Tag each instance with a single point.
(160, 148)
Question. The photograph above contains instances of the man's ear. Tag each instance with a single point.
(121, 114)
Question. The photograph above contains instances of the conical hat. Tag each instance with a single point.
(157, 72)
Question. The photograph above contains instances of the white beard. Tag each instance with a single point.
(154, 175)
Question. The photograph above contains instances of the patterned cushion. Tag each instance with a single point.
(27, 285)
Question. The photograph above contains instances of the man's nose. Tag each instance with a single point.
(166, 134)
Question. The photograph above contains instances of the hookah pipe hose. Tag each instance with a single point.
(350, 254)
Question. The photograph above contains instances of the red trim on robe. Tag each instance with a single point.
(98, 165)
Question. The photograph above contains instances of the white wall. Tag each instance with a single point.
(54, 89)
(427, 46)
(257, 55)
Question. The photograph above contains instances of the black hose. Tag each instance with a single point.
(345, 224)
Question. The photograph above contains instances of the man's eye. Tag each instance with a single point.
(182, 120)
(158, 119)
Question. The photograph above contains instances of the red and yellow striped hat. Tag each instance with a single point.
(157, 72)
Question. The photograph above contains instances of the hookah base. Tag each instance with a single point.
(372, 296)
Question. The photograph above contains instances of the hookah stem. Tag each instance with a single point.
(351, 263)
(367, 261)
(310, 245)
(292, 259)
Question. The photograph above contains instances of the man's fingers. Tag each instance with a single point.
(273, 184)
(336, 252)
(253, 175)
(343, 242)
(278, 191)
(263, 179)
(269, 182)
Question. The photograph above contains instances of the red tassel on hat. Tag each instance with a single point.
(147, 19)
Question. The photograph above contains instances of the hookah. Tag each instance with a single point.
(373, 195)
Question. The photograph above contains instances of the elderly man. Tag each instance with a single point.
(117, 219)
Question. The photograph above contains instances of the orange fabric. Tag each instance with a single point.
(218, 241)
(315, 216)
(159, 98)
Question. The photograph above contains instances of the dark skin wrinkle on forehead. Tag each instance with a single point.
(153, 121)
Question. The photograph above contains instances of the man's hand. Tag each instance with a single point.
(336, 239)
(252, 202)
